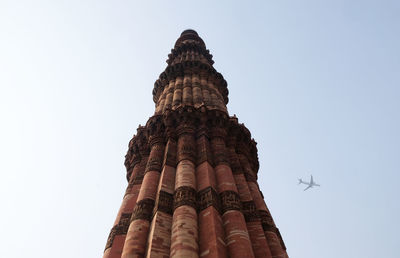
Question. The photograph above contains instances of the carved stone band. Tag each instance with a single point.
(266, 221)
(165, 202)
(154, 164)
(185, 195)
(120, 229)
(249, 211)
(208, 197)
(230, 200)
(155, 160)
(143, 210)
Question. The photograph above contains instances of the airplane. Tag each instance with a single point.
(310, 184)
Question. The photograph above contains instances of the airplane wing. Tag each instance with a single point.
(308, 187)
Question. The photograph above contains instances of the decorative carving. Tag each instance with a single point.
(188, 122)
(208, 197)
(156, 158)
(165, 202)
(186, 148)
(248, 172)
(234, 162)
(154, 164)
(266, 221)
(249, 211)
(123, 224)
(143, 209)
(138, 180)
(141, 170)
(120, 229)
(219, 151)
(191, 123)
(230, 200)
(110, 238)
(158, 137)
(218, 130)
(185, 195)
(203, 150)
(269, 225)
(250, 177)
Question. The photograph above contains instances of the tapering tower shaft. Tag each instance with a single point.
(192, 172)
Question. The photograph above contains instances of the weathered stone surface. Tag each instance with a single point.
(243, 188)
(149, 186)
(237, 237)
(187, 147)
(160, 236)
(156, 158)
(205, 176)
(225, 180)
(184, 237)
(185, 174)
(211, 234)
(120, 229)
(258, 240)
(116, 250)
(136, 239)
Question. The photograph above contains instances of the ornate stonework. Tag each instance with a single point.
(208, 197)
(143, 210)
(192, 172)
(185, 195)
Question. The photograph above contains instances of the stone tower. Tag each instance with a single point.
(192, 172)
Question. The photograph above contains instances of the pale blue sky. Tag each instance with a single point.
(316, 82)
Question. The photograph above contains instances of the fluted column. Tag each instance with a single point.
(170, 93)
(253, 222)
(177, 98)
(160, 229)
(116, 239)
(270, 230)
(204, 89)
(136, 239)
(237, 237)
(117, 235)
(213, 95)
(187, 96)
(161, 101)
(197, 95)
(184, 223)
(211, 231)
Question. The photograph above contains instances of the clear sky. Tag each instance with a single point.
(316, 82)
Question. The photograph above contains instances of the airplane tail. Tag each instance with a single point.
(300, 181)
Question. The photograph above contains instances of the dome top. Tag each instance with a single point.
(189, 31)
(189, 34)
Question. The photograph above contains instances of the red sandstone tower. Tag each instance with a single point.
(192, 172)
